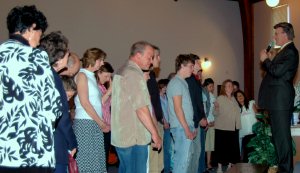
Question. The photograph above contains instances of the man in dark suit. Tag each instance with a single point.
(276, 94)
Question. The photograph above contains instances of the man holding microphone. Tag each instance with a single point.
(276, 93)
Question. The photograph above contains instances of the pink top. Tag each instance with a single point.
(106, 105)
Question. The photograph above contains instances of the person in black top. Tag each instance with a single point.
(156, 104)
(153, 86)
(236, 86)
(199, 117)
(56, 45)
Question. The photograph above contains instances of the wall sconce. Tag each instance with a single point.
(206, 63)
(272, 3)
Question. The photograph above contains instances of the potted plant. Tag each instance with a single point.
(295, 118)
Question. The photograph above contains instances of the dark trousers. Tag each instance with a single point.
(227, 149)
(106, 145)
(246, 150)
(281, 136)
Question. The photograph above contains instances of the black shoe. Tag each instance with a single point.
(162, 171)
(209, 169)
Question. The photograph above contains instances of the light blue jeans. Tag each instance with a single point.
(133, 159)
(183, 151)
(168, 151)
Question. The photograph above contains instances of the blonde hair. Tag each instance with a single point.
(222, 91)
(91, 55)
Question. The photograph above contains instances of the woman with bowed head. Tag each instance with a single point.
(29, 101)
(104, 79)
(88, 122)
(56, 45)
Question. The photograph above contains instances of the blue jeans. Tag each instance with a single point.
(183, 151)
(61, 168)
(168, 151)
(202, 166)
(133, 159)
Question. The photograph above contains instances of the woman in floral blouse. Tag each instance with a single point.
(29, 101)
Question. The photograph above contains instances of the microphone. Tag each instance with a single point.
(271, 44)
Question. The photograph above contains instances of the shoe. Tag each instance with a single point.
(219, 170)
(209, 169)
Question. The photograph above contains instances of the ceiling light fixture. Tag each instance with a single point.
(272, 3)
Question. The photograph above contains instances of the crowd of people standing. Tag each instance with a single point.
(127, 111)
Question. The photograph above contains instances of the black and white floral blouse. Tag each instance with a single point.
(29, 106)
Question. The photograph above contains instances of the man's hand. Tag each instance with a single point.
(73, 152)
(203, 122)
(211, 124)
(263, 55)
(190, 135)
(105, 127)
(216, 105)
(166, 124)
(156, 142)
(156, 61)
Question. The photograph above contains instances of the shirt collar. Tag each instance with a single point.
(283, 46)
(19, 38)
(133, 64)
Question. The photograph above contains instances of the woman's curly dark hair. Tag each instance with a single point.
(19, 19)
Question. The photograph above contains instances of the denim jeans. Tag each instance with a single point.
(168, 151)
(202, 165)
(183, 151)
(133, 159)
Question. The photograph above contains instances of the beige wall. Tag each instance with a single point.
(209, 28)
(263, 33)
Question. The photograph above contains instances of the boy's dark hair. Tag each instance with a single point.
(162, 83)
(182, 59)
(236, 83)
(69, 83)
(208, 81)
(194, 57)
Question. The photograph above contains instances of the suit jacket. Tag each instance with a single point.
(154, 96)
(64, 137)
(195, 90)
(276, 90)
